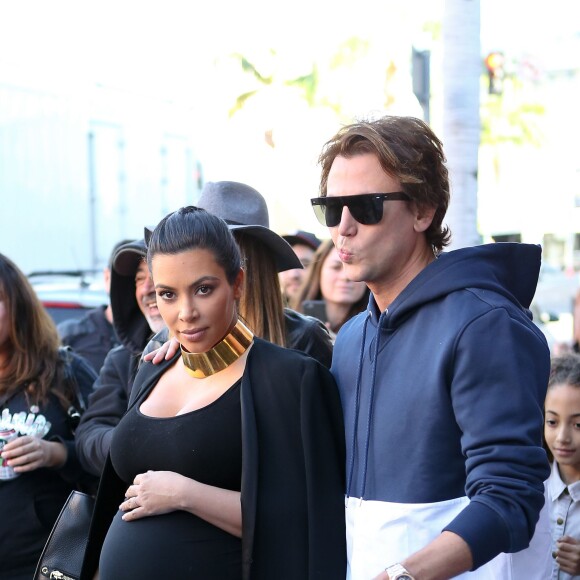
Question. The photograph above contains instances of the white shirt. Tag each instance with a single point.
(381, 533)
(563, 502)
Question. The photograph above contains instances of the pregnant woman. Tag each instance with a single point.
(229, 462)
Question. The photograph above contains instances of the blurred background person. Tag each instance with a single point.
(327, 282)
(304, 245)
(35, 378)
(93, 335)
(136, 318)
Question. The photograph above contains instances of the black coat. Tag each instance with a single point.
(293, 469)
(309, 335)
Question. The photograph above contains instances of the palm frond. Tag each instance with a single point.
(240, 102)
(249, 68)
(308, 84)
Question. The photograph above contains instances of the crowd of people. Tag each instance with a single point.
(365, 406)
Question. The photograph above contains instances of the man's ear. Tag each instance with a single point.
(423, 218)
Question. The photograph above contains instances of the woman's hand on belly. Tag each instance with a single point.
(161, 492)
(154, 493)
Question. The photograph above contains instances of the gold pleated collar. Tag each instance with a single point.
(222, 355)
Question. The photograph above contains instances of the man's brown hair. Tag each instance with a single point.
(408, 150)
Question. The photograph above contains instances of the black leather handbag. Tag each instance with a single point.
(64, 551)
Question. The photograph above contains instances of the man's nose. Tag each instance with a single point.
(148, 285)
(347, 225)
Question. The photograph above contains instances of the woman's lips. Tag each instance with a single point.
(193, 334)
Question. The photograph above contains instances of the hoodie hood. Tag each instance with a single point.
(508, 269)
(130, 325)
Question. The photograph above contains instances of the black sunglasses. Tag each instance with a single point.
(366, 208)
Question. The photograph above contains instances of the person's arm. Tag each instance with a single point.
(107, 404)
(161, 492)
(445, 557)
(498, 408)
(500, 373)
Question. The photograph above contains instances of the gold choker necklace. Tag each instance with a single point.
(222, 355)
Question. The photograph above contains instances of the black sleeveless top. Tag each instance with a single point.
(205, 445)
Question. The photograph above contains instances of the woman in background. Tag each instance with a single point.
(33, 380)
(326, 281)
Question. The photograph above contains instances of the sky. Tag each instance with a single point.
(539, 28)
(127, 40)
(165, 43)
(168, 49)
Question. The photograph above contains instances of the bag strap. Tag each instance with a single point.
(77, 406)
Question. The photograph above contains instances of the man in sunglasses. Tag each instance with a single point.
(442, 379)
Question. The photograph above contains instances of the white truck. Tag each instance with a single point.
(82, 167)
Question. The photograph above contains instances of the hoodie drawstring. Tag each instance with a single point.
(371, 405)
(357, 407)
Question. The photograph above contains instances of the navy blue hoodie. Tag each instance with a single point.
(443, 394)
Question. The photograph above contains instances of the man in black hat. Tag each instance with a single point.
(304, 245)
(136, 319)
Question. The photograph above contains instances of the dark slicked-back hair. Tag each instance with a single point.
(408, 150)
(192, 228)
